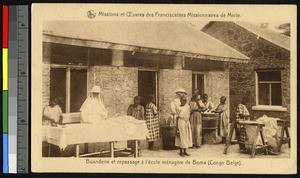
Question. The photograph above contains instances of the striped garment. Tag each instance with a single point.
(152, 122)
(242, 109)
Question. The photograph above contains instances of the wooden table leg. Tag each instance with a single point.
(263, 141)
(112, 153)
(136, 149)
(232, 127)
(288, 135)
(86, 148)
(254, 142)
(237, 132)
(281, 137)
(49, 149)
(77, 151)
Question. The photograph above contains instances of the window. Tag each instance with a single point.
(69, 86)
(269, 88)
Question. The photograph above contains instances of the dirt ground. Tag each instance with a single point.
(206, 151)
(211, 151)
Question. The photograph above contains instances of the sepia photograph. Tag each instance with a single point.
(177, 90)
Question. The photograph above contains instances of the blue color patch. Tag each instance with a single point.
(5, 153)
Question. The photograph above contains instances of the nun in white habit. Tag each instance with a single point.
(93, 110)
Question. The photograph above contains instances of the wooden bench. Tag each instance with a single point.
(255, 148)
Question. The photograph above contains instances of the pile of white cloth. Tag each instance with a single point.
(270, 132)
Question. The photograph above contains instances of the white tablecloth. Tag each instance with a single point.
(106, 131)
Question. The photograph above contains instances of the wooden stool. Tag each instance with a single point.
(259, 129)
(285, 124)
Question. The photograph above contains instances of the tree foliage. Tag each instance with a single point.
(286, 28)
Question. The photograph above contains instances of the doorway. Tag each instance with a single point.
(147, 84)
(78, 88)
(198, 82)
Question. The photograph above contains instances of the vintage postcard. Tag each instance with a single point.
(127, 88)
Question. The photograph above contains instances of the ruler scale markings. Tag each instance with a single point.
(22, 158)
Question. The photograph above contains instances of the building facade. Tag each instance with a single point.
(121, 79)
(265, 79)
(132, 62)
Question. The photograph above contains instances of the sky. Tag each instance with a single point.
(271, 25)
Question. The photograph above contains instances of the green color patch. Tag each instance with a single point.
(5, 111)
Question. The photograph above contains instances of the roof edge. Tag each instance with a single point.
(267, 39)
(52, 38)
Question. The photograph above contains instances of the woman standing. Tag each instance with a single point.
(184, 139)
(223, 119)
(196, 120)
(208, 104)
(176, 103)
(93, 110)
(242, 113)
(52, 113)
(152, 121)
(137, 111)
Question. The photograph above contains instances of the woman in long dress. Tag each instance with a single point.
(152, 121)
(175, 103)
(93, 111)
(184, 139)
(223, 119)
(196, 120)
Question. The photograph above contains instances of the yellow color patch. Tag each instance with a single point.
(5, 68)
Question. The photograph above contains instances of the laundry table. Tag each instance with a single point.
(109, 130)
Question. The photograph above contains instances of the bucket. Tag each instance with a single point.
(210, 128)
(168, 137)
(210, 121)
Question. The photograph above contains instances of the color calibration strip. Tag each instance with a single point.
(5, 17)
(15, 89)
(12, 92)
